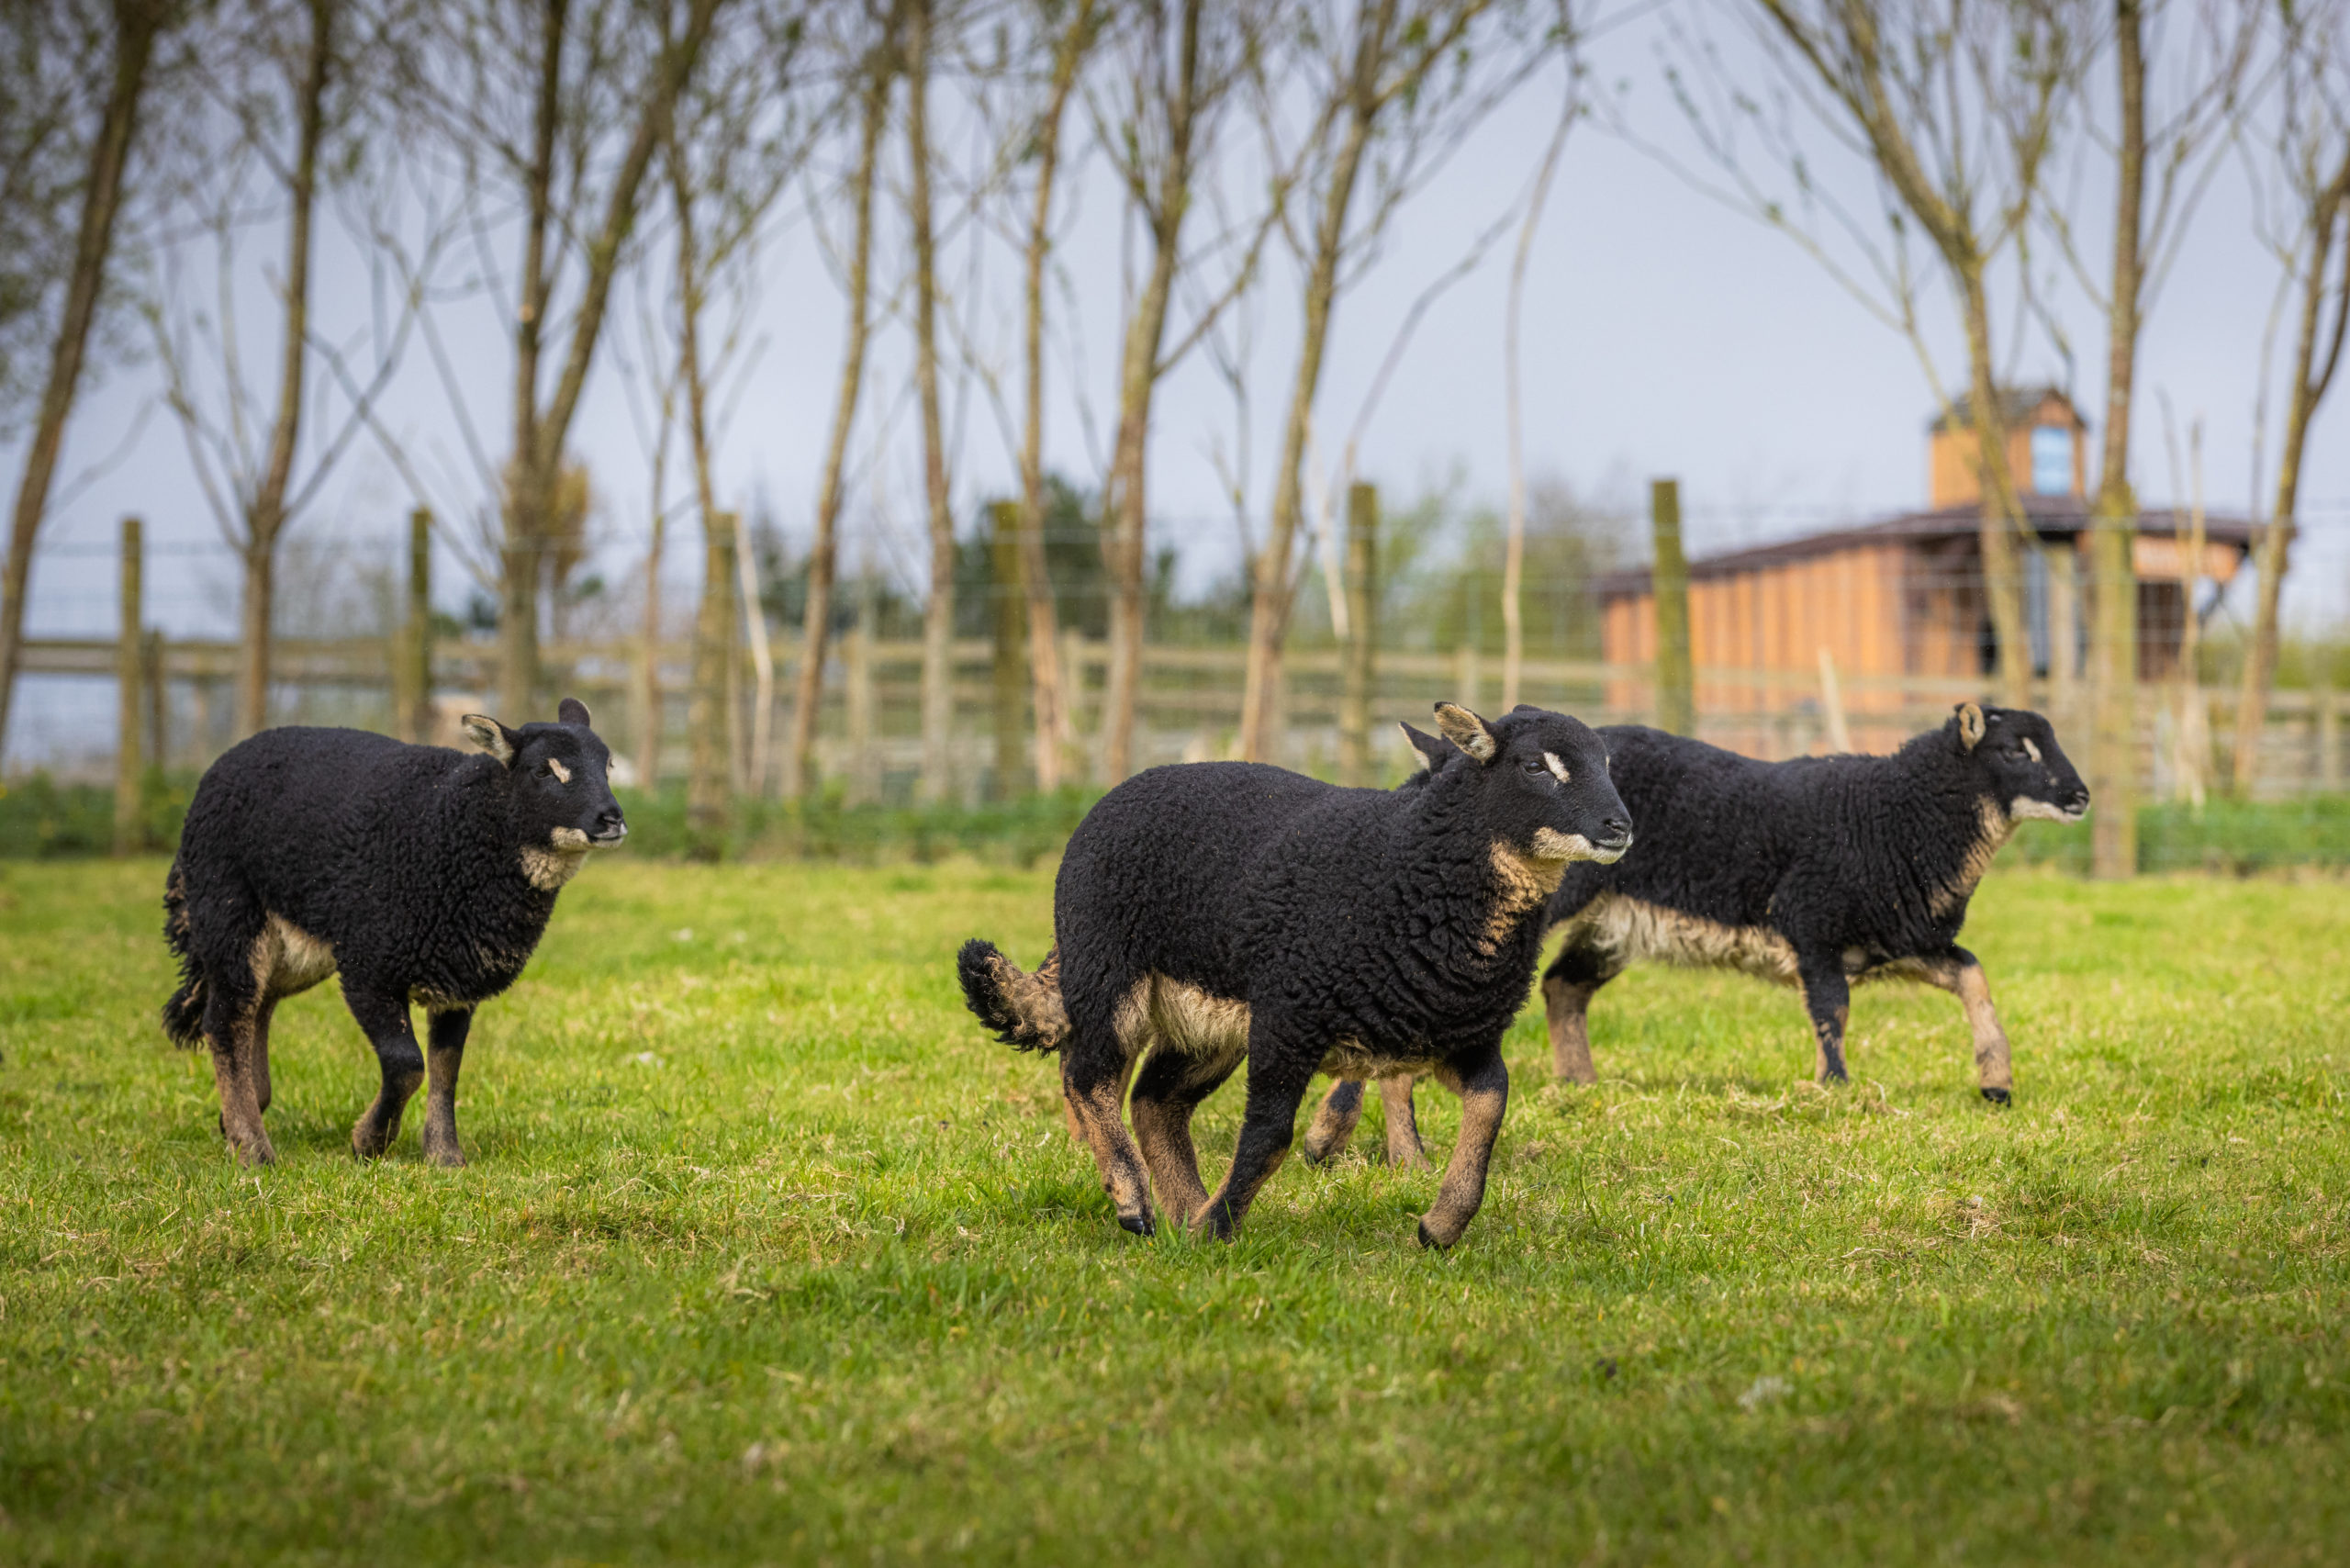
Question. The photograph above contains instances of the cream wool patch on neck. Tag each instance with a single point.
(549, 869)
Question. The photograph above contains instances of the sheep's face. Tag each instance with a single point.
(1541, 783)
(2022, 768)
(562, 800)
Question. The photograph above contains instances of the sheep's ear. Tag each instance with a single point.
(573, 711)
(1466, 731)
(1432, 750)
(1970, 725)
(492, 736)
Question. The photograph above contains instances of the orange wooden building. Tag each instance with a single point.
(1903, 597)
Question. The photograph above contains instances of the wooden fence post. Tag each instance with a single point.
(1362, 638)
(864, 767)
(1011, 667)
(129, 665)
(151, 687)
(412, 684)
(1676, 707)
(2329, 731)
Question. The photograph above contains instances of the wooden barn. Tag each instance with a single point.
(1901, 599)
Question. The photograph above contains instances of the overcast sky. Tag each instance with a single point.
(1665, 333)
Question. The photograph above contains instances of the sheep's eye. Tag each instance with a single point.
(1534, 767)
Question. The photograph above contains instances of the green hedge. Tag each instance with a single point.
(41, 819)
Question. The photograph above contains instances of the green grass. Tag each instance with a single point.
(765, 1255)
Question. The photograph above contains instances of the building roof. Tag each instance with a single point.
(2055, 518)
(2016, 404)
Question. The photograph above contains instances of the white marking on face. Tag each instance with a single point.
(570, 840)
(2045, 811)
(1557, 770)
(562, 774)
(2031, 750)
(1549, 844)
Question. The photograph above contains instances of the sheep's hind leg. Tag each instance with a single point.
(1404, 1149)
(1278, 1077)
(1482, 1083)
(1828, 997)
(383, 1014)
(1957, 971)
(1568, 986)
(445, 1042)
(1167, 1088)
(1093, 1081)
(1334, 1121)
(231, 1016)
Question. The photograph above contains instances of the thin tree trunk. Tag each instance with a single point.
(2002, 510)
(1036, 581)
(265, 519)
(2194, 717)
(648, 661)
(2113, 674)
(2310, 383)
(714, 769)
(755, 623)
(540, 431)
(1270, 600)
(823, 553)
(708, 716)
(136, 28)
(938, 614)
(1513, 560)
(1124, 508)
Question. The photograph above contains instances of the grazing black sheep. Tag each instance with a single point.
(421, 874)
(1215, 910)
(1816, 872)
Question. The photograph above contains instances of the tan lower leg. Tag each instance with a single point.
(239, 1108)
(1334, 1120)
(1990, 1040)
(1463, 1191)
(1163, 1128)
(441, 1145)
(1095, 1110)
(1568, 1005)
(1404, 1149)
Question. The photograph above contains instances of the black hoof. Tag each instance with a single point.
(1429, 1241)
(1139, 1224)
(1997, 1096)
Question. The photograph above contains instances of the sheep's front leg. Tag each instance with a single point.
(1957, 971)
(445, 1053)
(1482, 1083)
(383, 1014)
(1828, 997)
(1279, 1073)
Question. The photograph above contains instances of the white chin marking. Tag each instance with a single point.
(2023, 807)
(569, 840)
(1608, 856)
(1549, 844)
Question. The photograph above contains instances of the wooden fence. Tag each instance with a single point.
(1189, 706)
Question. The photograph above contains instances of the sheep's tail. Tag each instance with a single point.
(1023, 1011)
(183, 1013)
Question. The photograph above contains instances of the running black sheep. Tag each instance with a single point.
(423, 875)
(1212, 911)
(1815, 872)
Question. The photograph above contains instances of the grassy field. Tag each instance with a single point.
(766, 1255)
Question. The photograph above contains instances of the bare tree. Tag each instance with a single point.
(938, 613)
(2169, 136)
(2302, 163)
(875, 66)
(1395, 88)
(1954, 107)
(556, 110)
(294, 79)
(1072, 32)
(133, 30)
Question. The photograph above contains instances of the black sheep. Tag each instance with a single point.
(1211, 912)
(421, 874)
(1815, 872)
